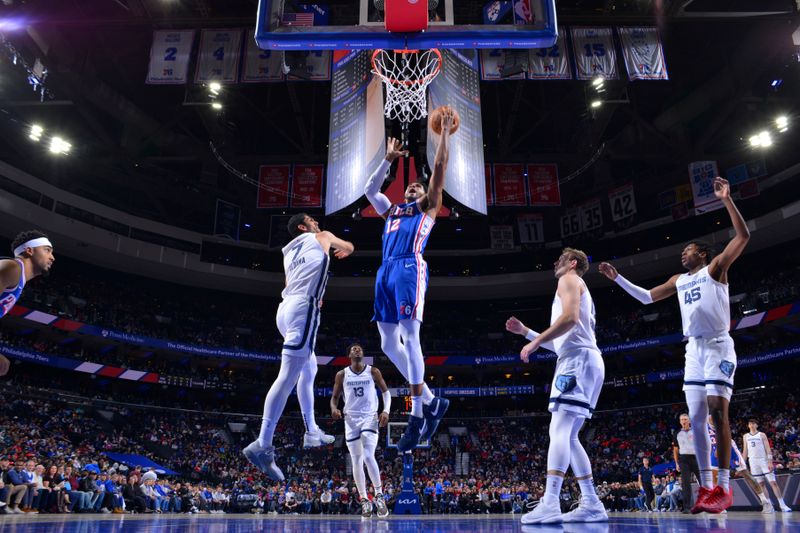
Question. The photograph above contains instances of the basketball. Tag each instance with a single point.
(435, 120)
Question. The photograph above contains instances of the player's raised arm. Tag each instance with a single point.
(341, 247)
(718, 268)
(372, 190)
(386, 396)
(9, 274)
(338, 384)
(433, 198)
(665, 290)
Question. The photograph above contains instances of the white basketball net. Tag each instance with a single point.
(406, 75)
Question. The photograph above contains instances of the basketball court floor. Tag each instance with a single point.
(619, 522)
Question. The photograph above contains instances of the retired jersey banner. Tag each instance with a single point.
(550, 63)
(591, 215)
(169, 57)
(623, 202)
(531, 229)
(318, 63)
(307, 186)
(643, 53)
(509, 185)
(273, 186)
(493, 62)
(489, 191)
(594, 52)
(543, 185)
(701, 177)
(261, 66)
(218, 59)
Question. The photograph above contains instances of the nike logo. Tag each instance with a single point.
(434, 411)
(409, 266)
(423, 428)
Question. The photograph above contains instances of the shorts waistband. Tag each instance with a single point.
(710, 336)
(401, 257)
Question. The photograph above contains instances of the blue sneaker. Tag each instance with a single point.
(263, 458)
(410, 438)
(433, 413)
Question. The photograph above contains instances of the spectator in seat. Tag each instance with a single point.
(14, 486)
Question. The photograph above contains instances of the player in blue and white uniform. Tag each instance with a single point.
(305, 261)
(710, 357)
(33, 256)
(361, 422)
(403, 279)
(759, 453)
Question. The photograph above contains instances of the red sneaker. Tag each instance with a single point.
(700, 504)
(719, 500)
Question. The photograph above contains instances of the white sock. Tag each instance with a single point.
(358, 475)
(276, 398)
(724, 478)
(416, 406)
(372, 470)
(763, 497)
(305, 394)
(587, 487)
(427, 395)
(552, 489)
(707, 479)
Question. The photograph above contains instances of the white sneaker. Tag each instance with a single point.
(314, 440)
(380, 503)
(366, 508)
(544, 514)
(767, 508)
(263, 458)
(785, 508)
(589, 510)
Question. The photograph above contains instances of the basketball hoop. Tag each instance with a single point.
(406, 75)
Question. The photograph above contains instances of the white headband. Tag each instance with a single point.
(33, 243)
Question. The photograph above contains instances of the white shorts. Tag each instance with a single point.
(760, 470)
(361, 431)
(298, 320)
(577, 382)
(710, 365)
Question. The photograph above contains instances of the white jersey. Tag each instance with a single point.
(755, 446)
(582, 335)
(360, 397)
(705, 306)
(306, 267)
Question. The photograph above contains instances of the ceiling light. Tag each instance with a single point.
(214, 88)
(782, 122)
(597, 82)
(216, 105)
(59, 146)
(36, 132)
(766, 139)
(597, 103)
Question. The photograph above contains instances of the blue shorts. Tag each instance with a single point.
(400, 289)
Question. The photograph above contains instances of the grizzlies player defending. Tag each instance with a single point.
(576, 387)
(361, 423)
(33, 256)
(710, 357)
(403, 277)
(305, 261)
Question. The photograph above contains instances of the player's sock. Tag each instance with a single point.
(763, 498)
(416, 406)
(724, 478)
(358, 474)
(305, 394)
(427, 395)
(587, 487)
(552, 489)
(276, 398)
(698, 413)
(707, 479)
(373, 471)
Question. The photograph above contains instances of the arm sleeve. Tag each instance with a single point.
(548, 345)
(387, 401)
(643, 295)
(373, 188)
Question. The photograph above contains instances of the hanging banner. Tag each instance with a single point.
(307, 186)
(623, 202)
(509, 185)
(226, 220)
(318, 63)
(594, 52)
(571, 222)
(489, 188)
(676, 195)
(531, 229)
(218, 58)
(643, 53)
(496, 10)
(273, 186)
(591, 215)
(550, 63)
(701, 178)
(501, 237)
(494, 62)
(169, 57)
(523, 14)
(261, 66)
(543, 185)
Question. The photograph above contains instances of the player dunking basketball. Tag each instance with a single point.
(361, 422)
(710, 357)
(403, 278)
(33, 256)
(305, 261)
(575, 390)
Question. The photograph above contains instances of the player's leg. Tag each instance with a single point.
(755, 486)
(370, 441)
(776, 490)
(719, 368)
(314, 436)
(694, 387)
(392, 346)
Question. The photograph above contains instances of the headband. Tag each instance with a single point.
(33, 243)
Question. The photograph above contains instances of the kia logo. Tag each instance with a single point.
(406, 502)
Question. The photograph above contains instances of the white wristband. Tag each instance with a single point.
(641, 294)
(387, 401)
(531, 335)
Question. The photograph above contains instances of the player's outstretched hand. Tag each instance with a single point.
(5, 364)
(608, 270)
(448, 118)
(341, 254)
(722, 189)
(383, 419)
(527, 350)
(394, 149)
(336, 414)
(514, 325)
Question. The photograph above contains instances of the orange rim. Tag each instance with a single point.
(393, 81)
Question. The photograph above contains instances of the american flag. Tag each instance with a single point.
(298, 19)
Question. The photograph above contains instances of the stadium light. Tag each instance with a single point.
(596, 104)
(782, 123)
(36, 132)
(598, 82)
(761, 140)
(59, 146)
(214, 88)
(216, 105)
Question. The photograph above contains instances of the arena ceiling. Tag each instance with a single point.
(145, 149)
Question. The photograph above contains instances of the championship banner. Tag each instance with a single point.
(489, 188)
(643, 53)
(701, 178)
(594, 53)
(543, 185)
(218, 58)
(623, 202)
(261, 66)
(550, 63)
(493, 62)
(509, 185)
(591, 215)
(273, 186)
(531, 229)
(307, 186)
(169, 57)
